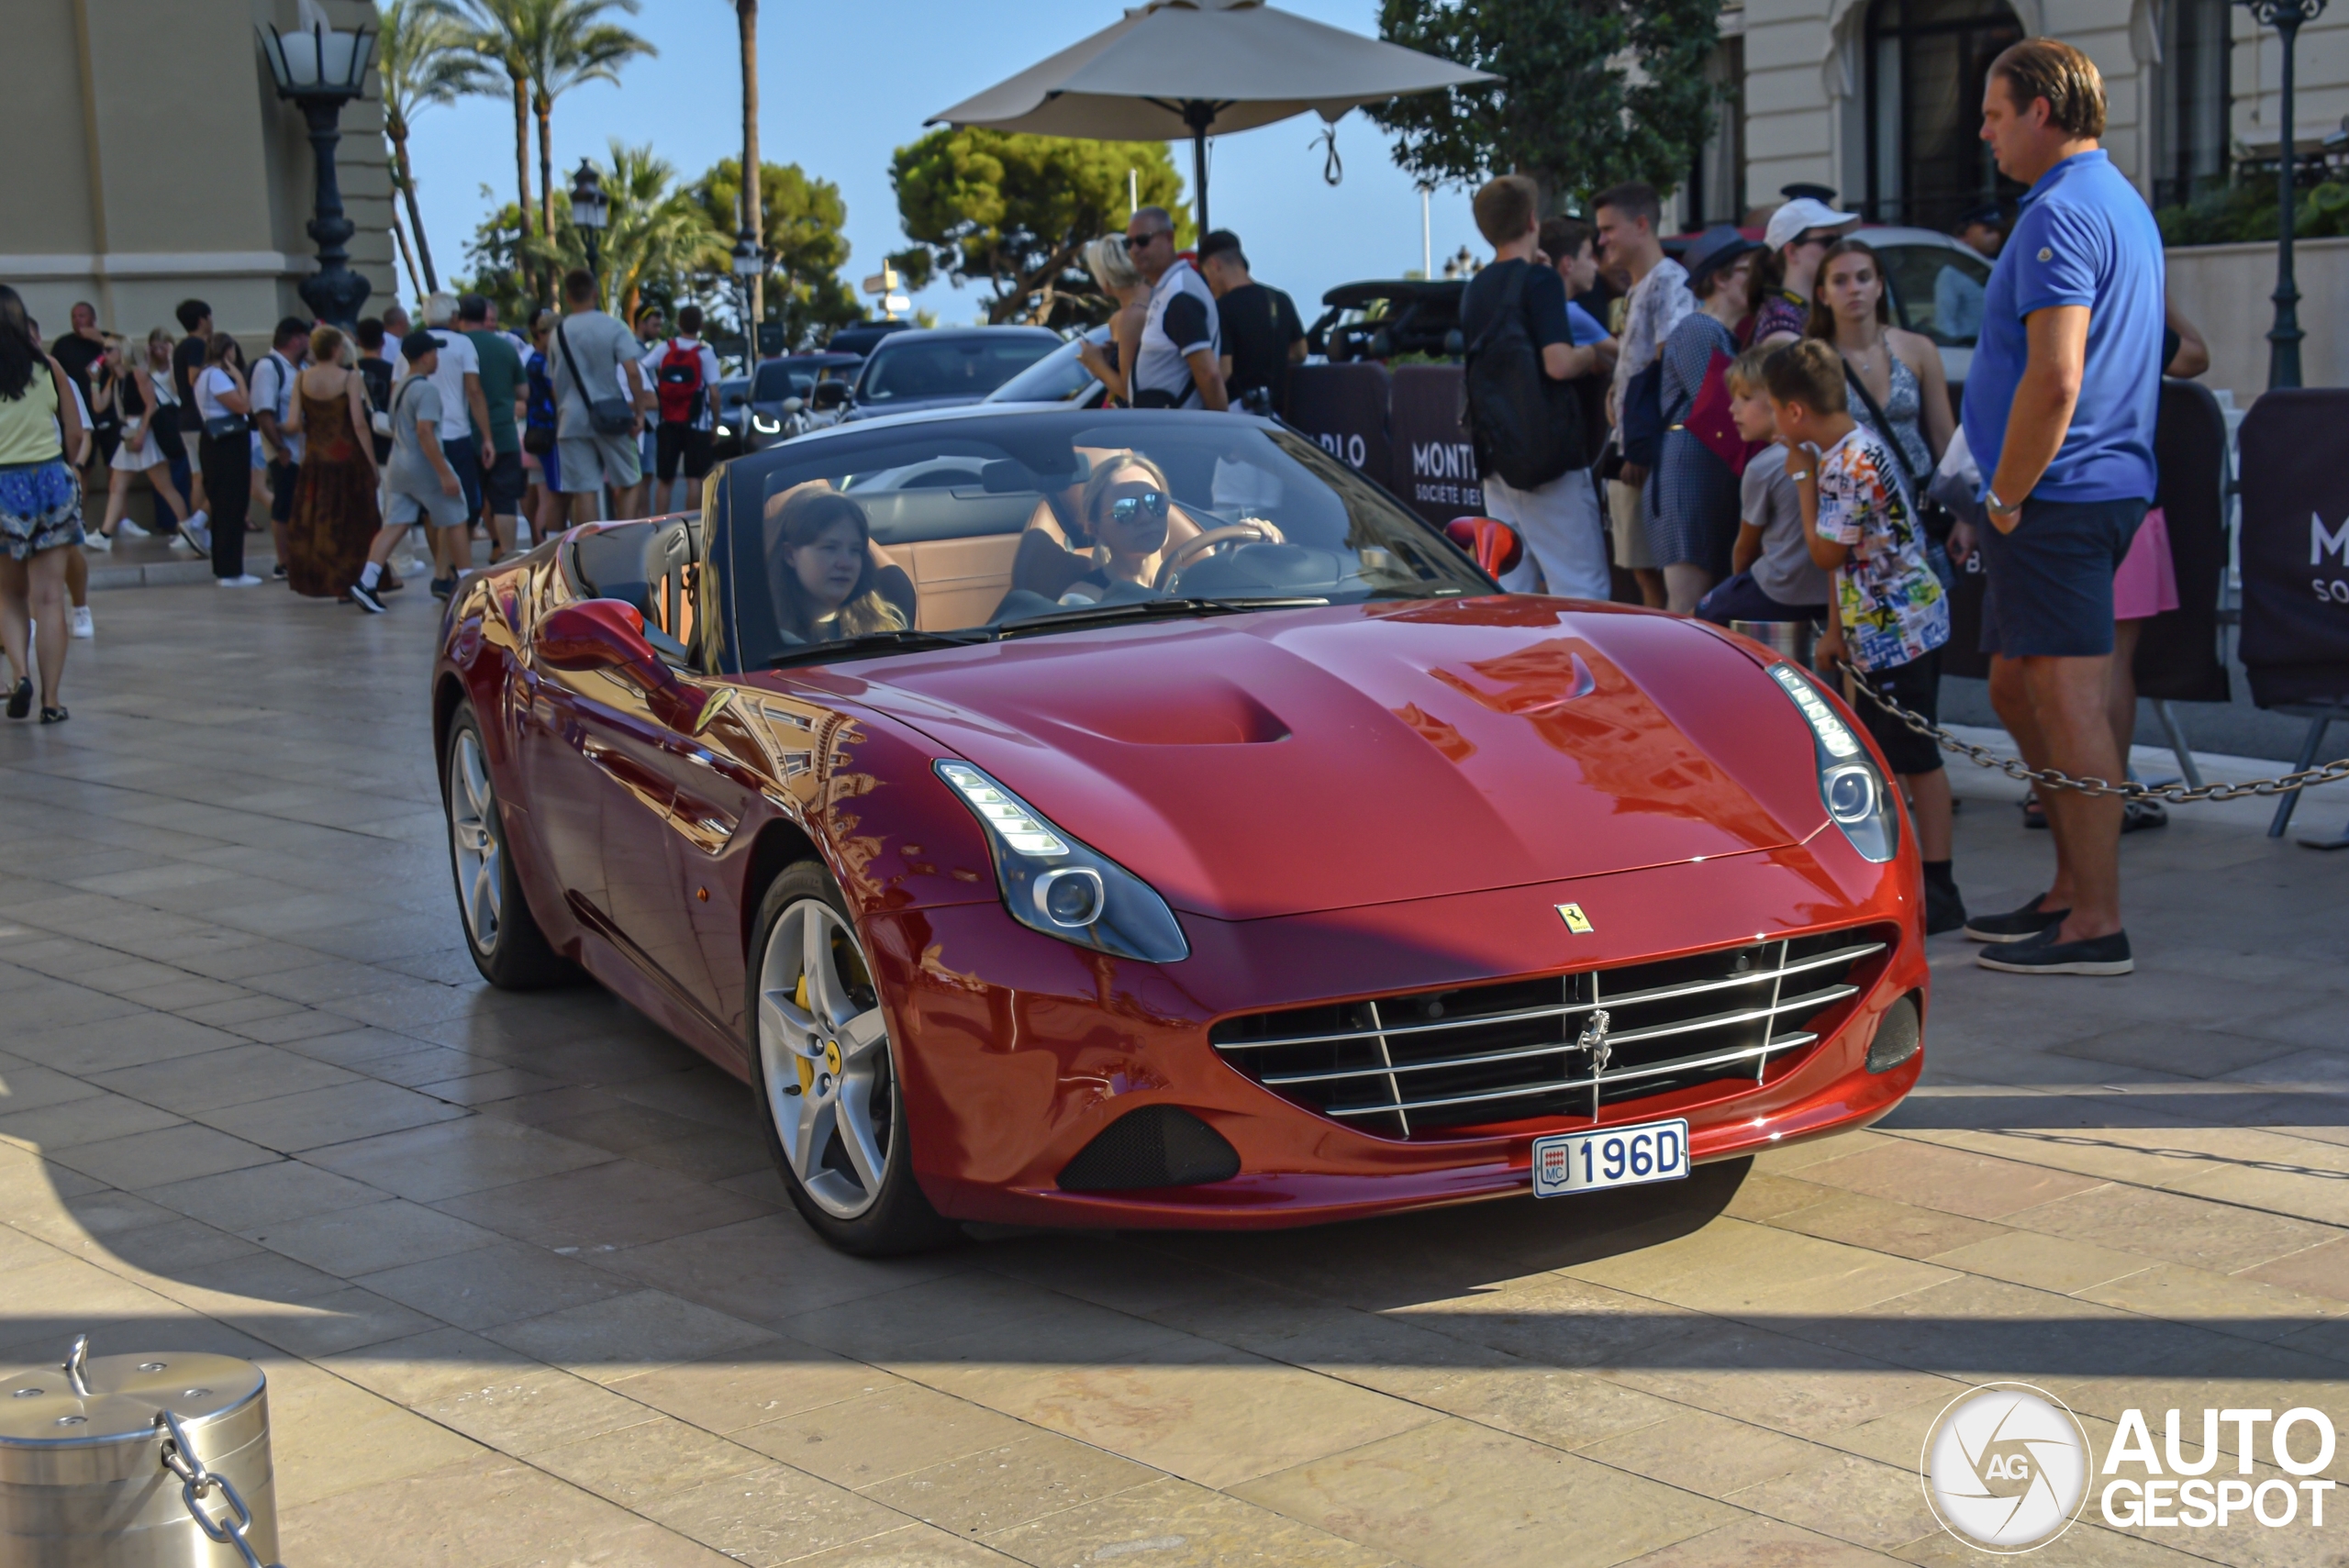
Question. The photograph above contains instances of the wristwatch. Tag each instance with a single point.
(1992, 503)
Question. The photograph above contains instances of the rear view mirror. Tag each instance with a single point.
(1491, 543)
(829, 395)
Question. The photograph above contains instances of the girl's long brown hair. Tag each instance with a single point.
(803, 520)
(1821, 324)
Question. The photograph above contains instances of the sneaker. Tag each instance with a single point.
(197, 536)
(278, 570)
(443, 587)
(2016, 925)
(365, 598)
(125, 528)
(2140, 812)
(1945, 910)
(53, 716)
(97, 544)
(20, 701)
(246, 580)
(78, 622)
(2043, 955)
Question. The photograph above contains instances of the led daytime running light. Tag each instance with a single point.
(1832, 732)
(1020, 831)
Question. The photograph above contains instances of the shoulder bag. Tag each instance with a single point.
(606, 415)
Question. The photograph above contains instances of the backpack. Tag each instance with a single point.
(1526, 428)
(681, 383)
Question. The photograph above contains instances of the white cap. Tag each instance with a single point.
(1799, 215)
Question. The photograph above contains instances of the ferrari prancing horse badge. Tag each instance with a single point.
(1576, 921)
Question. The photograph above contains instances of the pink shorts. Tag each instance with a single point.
(2147, 583)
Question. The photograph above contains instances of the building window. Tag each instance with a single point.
(1716, 188)
(2192, 121)
(1927, 60)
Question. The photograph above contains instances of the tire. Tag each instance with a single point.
(823, 1074)
(501, 933)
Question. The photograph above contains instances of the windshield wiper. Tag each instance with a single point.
(1152, 609)
(878, 642)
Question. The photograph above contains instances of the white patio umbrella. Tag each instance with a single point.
(1201, 67)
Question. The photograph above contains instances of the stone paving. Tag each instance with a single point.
(528, 1293)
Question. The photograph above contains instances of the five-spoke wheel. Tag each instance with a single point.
(503, 936)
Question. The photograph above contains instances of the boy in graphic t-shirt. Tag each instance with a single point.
(1887, 614)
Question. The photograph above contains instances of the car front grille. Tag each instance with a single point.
(1414, 1064)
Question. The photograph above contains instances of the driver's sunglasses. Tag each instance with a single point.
(1125, 508)
(1137, 241)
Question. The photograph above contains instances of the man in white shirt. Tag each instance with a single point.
(1178, 365)
(1627, 217)
(684, 372)
(456, 376)
(272, 399)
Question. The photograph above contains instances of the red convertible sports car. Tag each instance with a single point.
(1132, 819)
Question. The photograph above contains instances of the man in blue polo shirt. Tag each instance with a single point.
(2059, 411)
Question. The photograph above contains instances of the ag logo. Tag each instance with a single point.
(2005, 1468)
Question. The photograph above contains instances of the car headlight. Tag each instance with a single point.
(1053, 883)
(1857, 794)
(725, 429)
(765, 426)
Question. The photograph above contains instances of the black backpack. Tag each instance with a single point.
(1526, 428)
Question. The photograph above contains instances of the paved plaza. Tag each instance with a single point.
(528, 1292)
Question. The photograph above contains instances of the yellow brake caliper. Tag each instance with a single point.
(806, 1068)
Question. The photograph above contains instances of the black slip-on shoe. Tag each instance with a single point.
(20, 701)
(2043, 955)
(53, 716)
(2016, 925)
(2141, 814)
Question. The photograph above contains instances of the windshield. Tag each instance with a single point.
(779, 379)
(1055, 378)
(1022, 525)
(905, 369)
(1939, 291)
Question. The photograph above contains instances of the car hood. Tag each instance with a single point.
(1279, 762)
(857, 411)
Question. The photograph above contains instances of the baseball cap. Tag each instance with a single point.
(1799, 215)
(415, 345)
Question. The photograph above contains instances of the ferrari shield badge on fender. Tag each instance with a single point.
(1576, 921)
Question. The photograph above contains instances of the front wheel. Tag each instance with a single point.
(509, 949)
(826, 1074)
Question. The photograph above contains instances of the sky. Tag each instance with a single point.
(842, 86)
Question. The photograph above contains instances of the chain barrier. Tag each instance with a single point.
(2127, 789)
(196, 1482)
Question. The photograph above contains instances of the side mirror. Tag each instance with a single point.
(608, 634)
(829, 395)
(794, 405)
(1491, 543)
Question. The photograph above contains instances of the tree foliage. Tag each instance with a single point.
(803, 221)
(423, 59)
(1593, 92)
(1014, 213)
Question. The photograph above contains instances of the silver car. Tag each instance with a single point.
(1936, 285)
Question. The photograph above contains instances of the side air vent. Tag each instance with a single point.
(1157, 1146)
(1898, 1037)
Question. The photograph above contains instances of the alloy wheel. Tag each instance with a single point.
(824, 1059)
(473, 835)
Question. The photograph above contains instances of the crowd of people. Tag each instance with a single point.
(1777, 448)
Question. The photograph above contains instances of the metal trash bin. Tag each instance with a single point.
(1793, 640)
(92, 1475)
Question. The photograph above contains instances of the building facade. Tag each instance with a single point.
(151, 160)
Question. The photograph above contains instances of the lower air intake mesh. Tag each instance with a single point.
(1157, 1146)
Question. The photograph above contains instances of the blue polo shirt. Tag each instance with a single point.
(2084, 236)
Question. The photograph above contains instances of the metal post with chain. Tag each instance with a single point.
(2127, 789)
(196, 1482)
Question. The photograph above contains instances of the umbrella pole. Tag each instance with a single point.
(1198, 115)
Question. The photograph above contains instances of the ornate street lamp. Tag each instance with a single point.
(2287, 16)
(750, 263)
(590, 213)
(320, 69)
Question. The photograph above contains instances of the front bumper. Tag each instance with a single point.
(1016, 1051)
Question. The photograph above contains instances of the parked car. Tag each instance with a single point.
(779, 397)
(1296, 874)
(863, 337)
(1379, 320)
(939, 367)
(1058, 380)
(1926, 273)
(733, 416)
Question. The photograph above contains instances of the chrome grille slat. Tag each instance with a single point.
(1574, 1009)
(1388, 1068)
(1573, 1046)
(1628, 1075)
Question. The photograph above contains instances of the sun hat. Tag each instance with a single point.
(1713, 250)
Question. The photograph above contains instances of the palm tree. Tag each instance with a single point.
(424, 58)
(498, 29)
(746, 17)
(657, 233)
(565, 44)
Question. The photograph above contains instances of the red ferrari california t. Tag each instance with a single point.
(1130, 818)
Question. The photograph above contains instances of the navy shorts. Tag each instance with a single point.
(465, 458)
(1741, 598)
(2050, 588)
(502, 485)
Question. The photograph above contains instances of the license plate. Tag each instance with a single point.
(1612, 1157)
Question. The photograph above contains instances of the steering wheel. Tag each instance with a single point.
(1255, 530)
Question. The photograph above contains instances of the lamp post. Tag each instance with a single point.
(319, 70)
(750, 264)
(2287, 16)
(589, 215)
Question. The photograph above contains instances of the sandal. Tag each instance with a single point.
(2034, 815)
(53, 716)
